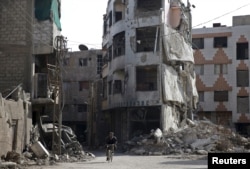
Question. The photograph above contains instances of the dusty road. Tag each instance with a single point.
(123, 161)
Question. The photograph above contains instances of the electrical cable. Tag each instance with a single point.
(222, 15)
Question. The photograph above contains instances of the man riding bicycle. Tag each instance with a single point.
(111, 142)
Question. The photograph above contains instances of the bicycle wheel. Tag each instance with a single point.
(109, 156)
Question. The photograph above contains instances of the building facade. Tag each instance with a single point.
(81, 74)
(29, 36)
(148, 77)
(222, 68)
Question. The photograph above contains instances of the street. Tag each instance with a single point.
(124, 161)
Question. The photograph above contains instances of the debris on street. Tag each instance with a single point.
(197, 137)
(39, 151)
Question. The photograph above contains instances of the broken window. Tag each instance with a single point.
(104, 89)
(83, 85)
(149, 5)
(110, 53)
(198, 43)
(119, 10)
(146, 39)
(110, 87)
(110, 18)
(42, 61)
(119, 44)
(118, 16)
(117, 86)
(199, 69)
(83, 62)
(242, 51)
(82, 107)
(220, 42)
(242, 104)
(242, 78)
(220, 69)
(105, 55)
(104, 24)
(146, 78)
(99, 64)
(220, 96)
(201, 96)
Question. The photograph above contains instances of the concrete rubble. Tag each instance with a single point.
(197, 137)
(37, 153)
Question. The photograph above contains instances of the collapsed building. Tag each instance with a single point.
(148, 73)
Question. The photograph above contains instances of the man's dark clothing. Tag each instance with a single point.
(112, 140)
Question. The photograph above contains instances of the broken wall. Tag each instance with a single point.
(15, 125)
(179, 91)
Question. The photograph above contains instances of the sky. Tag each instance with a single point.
(82, 20)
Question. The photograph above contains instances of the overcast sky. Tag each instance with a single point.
(82, 19)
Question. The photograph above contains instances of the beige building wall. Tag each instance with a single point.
(81, 71)
(216, 69)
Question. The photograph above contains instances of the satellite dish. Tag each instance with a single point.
(83, 47)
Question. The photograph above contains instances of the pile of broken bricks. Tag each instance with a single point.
(197, 137)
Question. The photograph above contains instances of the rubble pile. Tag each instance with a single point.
(197, 137)
(29, 158)
(39, 151)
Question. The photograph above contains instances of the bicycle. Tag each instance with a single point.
(110, 152)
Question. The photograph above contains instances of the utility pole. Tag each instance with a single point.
(55, 84)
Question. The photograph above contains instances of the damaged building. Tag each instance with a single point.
(148, 72)
(222, 66)
(29, 44)
(81, 83)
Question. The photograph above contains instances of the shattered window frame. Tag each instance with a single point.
(242, 51)
(149, 5)
(119, 44)
(110, 18)
(146, 39)
(118, 16)
(110, 53)
(105, 25)
(119, 10)
(117, 87)
(220, 42)
(220, 96)
(242, 77)
(198, 43)
(146, 78)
